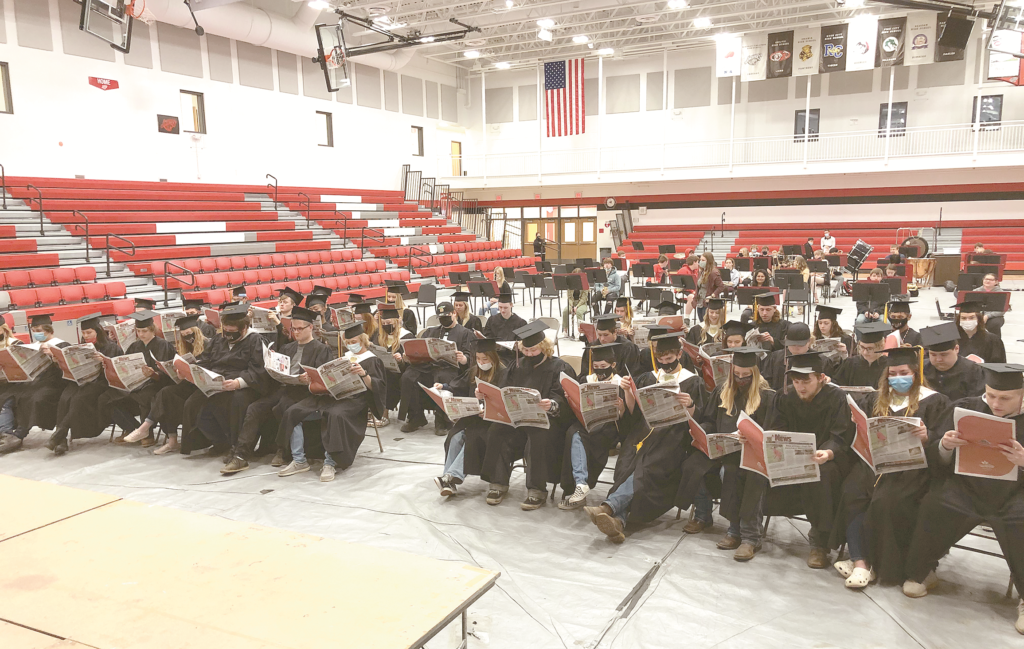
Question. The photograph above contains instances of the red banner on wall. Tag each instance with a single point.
(103, 84)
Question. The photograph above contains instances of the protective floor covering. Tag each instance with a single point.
(562, 582)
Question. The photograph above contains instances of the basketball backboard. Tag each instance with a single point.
(109, 21)
(332, 56)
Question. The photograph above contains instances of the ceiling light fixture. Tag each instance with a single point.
(503, 65)
(320, 4)
(676, 5)
(545, 23)
(545, 35)
(606, 51)
(509, 4)
(850, 4)
(580, 39)
(702, 23)
(428, 39)
(471, 54)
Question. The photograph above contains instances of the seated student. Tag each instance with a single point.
(195, 307)
(798, 341)
(899, 319)
(974, 338)
(895, 258)
(742, 492)
(277, 398)
(870, 311)
(466, 445)
(826, 325)
(649, 466)
(414, 402)
(577, 304)
(144, 304)
(874, 515)
(287, 299)
(498, 277)
(316, 302)
(342, 421)
(867, 367)
(980, 249)
(627, 355)
(463, 314)
(502, 327)
(396, 293)
(890, 271)
(711, 329)
(239, 295)
(538, 369)
(126, 409)
(608, 291)
(77, 412)
(660, 272)
(994, 320)
(959, 503)
(8, 391)
(814, 406)
(769, 322)
(734, 333)
(945, 369)
(624, 312)
(390, 335)
(586, 453)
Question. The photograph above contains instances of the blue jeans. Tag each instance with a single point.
(702, 506)
(7, 418)
(855, 538)
(620, 499)
(489, 310)
(455, 462)
(578, 458)
(298, 444)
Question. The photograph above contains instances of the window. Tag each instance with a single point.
(5, 90)
(798, 125)
(193, 112)
(326, 121)
(899, 119)
(991, 112)
(417, 141)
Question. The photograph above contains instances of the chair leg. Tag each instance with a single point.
(377, 435)
(1009, 587)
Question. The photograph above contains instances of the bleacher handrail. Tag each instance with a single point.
(86, 228)
(274, 185)
(415, 253)
(167, 275)
(307, 201)
(3, 185)
(108, 248)
(379, 239)
(40, 199)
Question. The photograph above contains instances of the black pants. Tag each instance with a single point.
(539, 447)
(818, 501)
(994, 324)
(221, 417)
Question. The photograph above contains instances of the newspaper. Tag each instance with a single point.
(23, 363)
(167, 330)
(212, 317)
(455, 407)
(337, 377)
(887, 444)
(78, 362)
(589, 331)
(122, 332)
(341, 316)
(856, 389)
(513, 406)
(125, 373)
(167, 367)
(594, 403)
(386, 357)
(716, 364)
(427, 350)
(981, 457)
(279, 367)
(659, 404)
(783, 458)
(715, 445)
(208, 382)
(641, 334)
(830, 349)
(261, 319)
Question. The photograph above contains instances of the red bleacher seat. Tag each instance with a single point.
(72, 294)
(95, 292)
(16, 279)
(48, 295)
(22, 298)
(67, 275)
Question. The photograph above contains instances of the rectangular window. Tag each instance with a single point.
(417, 141)
(801, 121)
(326, 121)
(5, 90)
(899, 119)
(991, 112)
(193, 112)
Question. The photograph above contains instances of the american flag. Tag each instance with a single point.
(563, 92)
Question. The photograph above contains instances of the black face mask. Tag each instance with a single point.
(604, 374)
(743, 383)
(665, 367)
(388, 327)
(189, 338)
(534, 361)
(232, 336)
(897, 323)
(445, 320)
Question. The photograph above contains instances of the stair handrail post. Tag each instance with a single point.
(166, 275)
(344, 237)
(108, 248)
(307, 207)
(3, 185)
(86, 219)
(274, 185)
(40, 199)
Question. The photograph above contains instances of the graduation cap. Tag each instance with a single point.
(900, 304)
(485, 345)
(667, 308)
(532, 334)
(238, 291)
(656, 330)
(353, 329)
(144, 303)
(40, 319)
(226, 305)
(445, 308)
(233, 315)
(798, 334)
(766, 299)
(746, 356)
(1004, 376)
(905, 356)
(189, 321)
(606, 322)
(716, 304)
(142, 319)
(460, 296)
(940, 338)
(736, 328)
(970, 307)
(355, 298)
(604, 353)
(193, 303)
(322, 290)
(91, 321)
(809, 363)
(623, 302)
(301, 313)
(362, 307)
(318, 298)
(387, 310)
(872, 332)
(505, 298)
(668, 342)
(288, 291)
(829, 312)
(397, 286)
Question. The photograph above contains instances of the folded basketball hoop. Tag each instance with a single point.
(111, 22)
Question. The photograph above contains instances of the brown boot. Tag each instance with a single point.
(696, 527)
(746, 551)
(729, 542)
(818, 559)
(610, 525)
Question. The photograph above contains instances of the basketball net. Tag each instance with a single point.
(137, 9)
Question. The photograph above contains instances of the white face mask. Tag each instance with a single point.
(969, 325)
(485, 366)
(354, 347)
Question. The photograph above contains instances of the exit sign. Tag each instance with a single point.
(497, 197)
(579, 194)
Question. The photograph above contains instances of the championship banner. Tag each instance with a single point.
(806, 51)
(1003, 66)
(755, 55)
(891, 45)
(920, 34)
(943, 53)
(833, 48)
(862, 40)
(727, 55)
(780, 55)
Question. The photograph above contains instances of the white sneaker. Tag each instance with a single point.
(914, 589)
(1020, 617)
(136, 435)
(293, 468)
(327, 473)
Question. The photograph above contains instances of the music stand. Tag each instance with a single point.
(641, 270)
(990, 300)
(761, 263)
(586, 262)
(569, 282)
(745, 294)
(483, 290)
(834, 261)
(726, 274)
(984, 269)
(508, 271)
(817, 266)
(897, 285)
(969, 281)
(638, 245)
(788, 280)
(596, 276)
(652, 295)
(542, 266)
(562, 269)
(619, 263)
(649, 260)
(535, 281)
(667, 249)
(684, 282)
(908, 251)
(459, 277)
(977, 258)
(871, 292)
(522, 277)
(742, 264)
(791, 250)
(675, 264)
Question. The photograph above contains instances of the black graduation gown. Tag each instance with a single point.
(207, 329)
(890, 501)
(911, 337)
(627, 357)
(409, 322)
(778, 331)
(474, 428)
(984, 344)
(827, 415)
(36, 402)
(857, 371)
(78, 410)
(343, 423)
(500, 328)
(140, 402)
(597, 444)
(964, 379)
(413, 400)
(243, 360)
(169, 405)
(656, 466)
(473, 323)
(393, 379)
(773, 368)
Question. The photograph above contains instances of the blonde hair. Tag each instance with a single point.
(884, 399)
(363, 339)
(721, 323)
(197, 346)
(729, 392)
(8, 336)
(546, 347)
(391, 341)
(369, 324)
(499, 276)
(468, 314)
(800, 262)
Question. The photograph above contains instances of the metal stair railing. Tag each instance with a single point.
(167, 275)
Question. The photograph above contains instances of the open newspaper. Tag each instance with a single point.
(427, 350)
(23, 363)
(831, 349)
(513, 406)
(337, 377)
(261, 319)
(279, 367)
(78, 362)
(855, 389)
(341, 316)
(659, 405)
(589, 331)
(167, 367)
(714, 445)
(213, 317)
(783, 458)
(208, 382)
(387, 358)
(125, 373)
(593, 403)
(122, 332)
(167, 330)
(641, 334)
(716, 363)
(887, 444)
(455, 407)
(981, 457)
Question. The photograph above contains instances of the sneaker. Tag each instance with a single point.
(912, 588)
(381, 423)
(535, 499)
(410, 426)
(746, 551)
(818, 558)
(293, 468)
(136, 435)
(56, 438)
(1020, 617)
(9, 443)
(327, 473)
(496, 493)
(729, 542)
(696, 526)
(278, 459)
(445, 485)
(439, 428)
(611, 526)
(62, 447)
(235, 465)
(170, 446)
(576, 499)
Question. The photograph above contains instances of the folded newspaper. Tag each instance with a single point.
(641, 334)
(78, 362)
(126, 373)
(167, 330)
(453, 406)
(887, 444)
(167, 367)
(831, 348)
(716, 363)
(781, 457)
(279, 367)
(208, 382)
(261, 319)
(513, 406)
(660, 405)
(982, 457)
(23, 363)
(593, 403)
(386, 357)
(714, 445)
(122, 332)
(337, 377)
(341, 316)
(427, 350)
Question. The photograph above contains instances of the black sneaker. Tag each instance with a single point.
(445, 486)
(56, 438)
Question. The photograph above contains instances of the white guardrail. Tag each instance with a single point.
(961, 139)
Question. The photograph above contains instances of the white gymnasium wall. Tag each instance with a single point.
(62, 126)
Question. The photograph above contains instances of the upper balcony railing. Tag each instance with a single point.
(873, 145)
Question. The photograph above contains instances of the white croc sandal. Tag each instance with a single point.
(844, 568)
(860, 578)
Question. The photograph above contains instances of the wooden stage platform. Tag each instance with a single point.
(79, 568)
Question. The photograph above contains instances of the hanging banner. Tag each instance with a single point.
(755, 55)
(862, 39)
(891, 35)
(833, 48)
(942, 52)
(727, 55)
(920, 35)
(780, 55)
(1002, 65)
(806, 50)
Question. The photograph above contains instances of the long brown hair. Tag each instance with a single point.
(709, 268)
(488, 377)
(838, 333)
